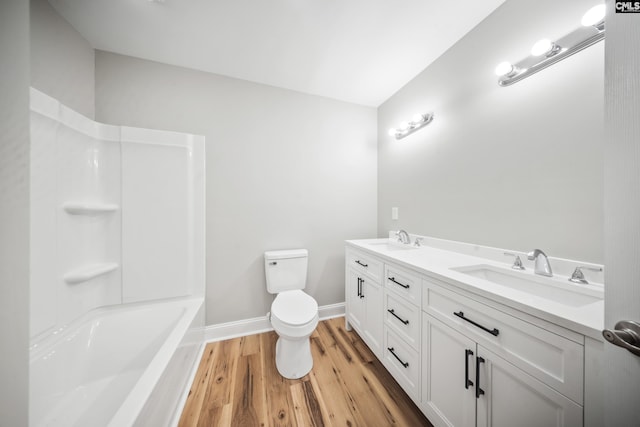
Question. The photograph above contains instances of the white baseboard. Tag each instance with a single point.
(241, 328)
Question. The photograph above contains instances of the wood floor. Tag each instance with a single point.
(237, 384)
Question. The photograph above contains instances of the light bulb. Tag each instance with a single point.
(417, 118)
(404, 125)
(392, 132)
(504, 68)
(594, 16)
(542, 47)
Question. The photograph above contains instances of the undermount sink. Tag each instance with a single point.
(542, 287)
(390, 246)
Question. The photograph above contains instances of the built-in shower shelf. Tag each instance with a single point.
(75, 208)
(89, 272)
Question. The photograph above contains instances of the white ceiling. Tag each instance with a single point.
(359, 51)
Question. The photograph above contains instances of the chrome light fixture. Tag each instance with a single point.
(407, 128)
(546, 52)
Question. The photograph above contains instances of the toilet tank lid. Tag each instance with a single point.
(290, 253)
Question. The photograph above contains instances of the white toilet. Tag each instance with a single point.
(294, 314)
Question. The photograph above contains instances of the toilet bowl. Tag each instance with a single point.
(294, 314)
(294, 317)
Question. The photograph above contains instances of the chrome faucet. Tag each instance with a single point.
(403, 237)
(542, 266)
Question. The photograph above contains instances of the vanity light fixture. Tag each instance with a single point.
(407, 128)
(547, 52)
(545, 47)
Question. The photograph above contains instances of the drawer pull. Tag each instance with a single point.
(493, 331)
(364, 265)
(479, 391)
(467, 381)
(393, 279)
(406, 322)
(405, 364)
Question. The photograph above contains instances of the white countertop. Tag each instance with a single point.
(587, 319)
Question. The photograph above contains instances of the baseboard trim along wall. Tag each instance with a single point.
(256, 325)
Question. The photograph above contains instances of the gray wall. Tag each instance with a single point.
(14, 212)
(517, 167)
(284, 170)
(62, 61)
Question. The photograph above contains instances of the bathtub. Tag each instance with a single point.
(102, 369)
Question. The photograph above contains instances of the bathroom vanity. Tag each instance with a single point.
(474, 342)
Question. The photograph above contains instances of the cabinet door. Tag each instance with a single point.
(355, 303)
(373, 331)
(514, 398)
(448, 375)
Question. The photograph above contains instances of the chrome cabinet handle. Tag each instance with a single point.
(392, 311)
(625, 335)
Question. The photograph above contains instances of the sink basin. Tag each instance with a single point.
(551, 289)
(390, 246)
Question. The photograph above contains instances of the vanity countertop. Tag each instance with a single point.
(585, 319)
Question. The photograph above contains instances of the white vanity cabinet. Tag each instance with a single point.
(466, 359)
(402, 295)
(512, 397)
(485, 367)
(364, 298)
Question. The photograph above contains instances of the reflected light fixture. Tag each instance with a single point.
(407, 128)
(546, 52)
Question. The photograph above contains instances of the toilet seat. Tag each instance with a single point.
(294, 308)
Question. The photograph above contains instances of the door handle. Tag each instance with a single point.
(625, 335)
(467, 381)
(479, 391)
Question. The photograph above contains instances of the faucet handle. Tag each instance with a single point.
(578, 275)
(418, 242)
(517, 262)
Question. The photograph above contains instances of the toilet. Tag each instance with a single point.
(294, 314)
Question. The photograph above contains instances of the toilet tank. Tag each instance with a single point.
(285, 270)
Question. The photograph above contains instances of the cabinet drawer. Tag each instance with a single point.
(403, 282)
(365, 264)
(403, 363)
(403, 318)
(554, 360)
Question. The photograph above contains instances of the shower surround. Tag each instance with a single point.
(117, 261)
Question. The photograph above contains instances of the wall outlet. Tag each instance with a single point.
(394, 213)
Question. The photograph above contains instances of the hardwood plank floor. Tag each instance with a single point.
(237, 384)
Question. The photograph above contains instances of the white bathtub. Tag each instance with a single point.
(101, 369)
